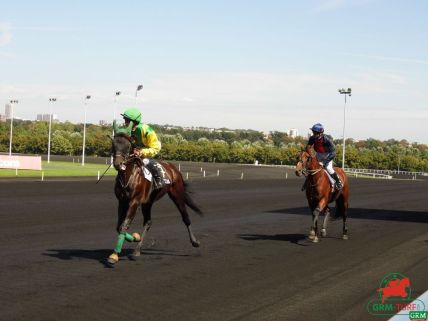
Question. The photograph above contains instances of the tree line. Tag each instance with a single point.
(221, 145)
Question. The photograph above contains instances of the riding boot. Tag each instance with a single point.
(338, 184)
(158, 180)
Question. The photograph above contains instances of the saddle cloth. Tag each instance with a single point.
(149, 176)
(331, 179)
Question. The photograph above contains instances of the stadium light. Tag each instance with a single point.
(84, 131)
(116, 98)
(345, 92)
(136, 93)
(12, 102)
(51, 102)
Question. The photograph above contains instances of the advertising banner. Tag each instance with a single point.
(21, 162)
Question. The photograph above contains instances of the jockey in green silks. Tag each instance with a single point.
(147, 145)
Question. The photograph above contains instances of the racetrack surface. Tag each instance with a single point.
(254, 262)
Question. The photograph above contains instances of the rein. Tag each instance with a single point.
(310, 172)
(121, 173)
(313, 171)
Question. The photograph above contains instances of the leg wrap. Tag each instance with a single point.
(125, 225)
(129, 237)
(119, 244)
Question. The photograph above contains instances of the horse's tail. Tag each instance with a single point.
(189, 201)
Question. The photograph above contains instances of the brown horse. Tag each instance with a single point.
(132, 189)
(320, 193)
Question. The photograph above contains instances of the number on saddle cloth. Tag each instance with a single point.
(153, 169)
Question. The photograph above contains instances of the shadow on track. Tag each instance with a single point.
(100, 254)
(292, 238)
(367, 213)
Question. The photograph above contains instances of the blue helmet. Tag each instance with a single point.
(317, 128)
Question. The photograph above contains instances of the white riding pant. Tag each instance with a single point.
(329, 167)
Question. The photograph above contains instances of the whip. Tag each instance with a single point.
(104, 173)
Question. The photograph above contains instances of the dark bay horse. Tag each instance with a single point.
(132, 190)
(320, 193)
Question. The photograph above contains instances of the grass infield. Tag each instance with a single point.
(61, 169)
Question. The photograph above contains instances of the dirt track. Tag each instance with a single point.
(254, 263)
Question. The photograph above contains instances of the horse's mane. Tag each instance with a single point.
(311, 151)
(122, 134)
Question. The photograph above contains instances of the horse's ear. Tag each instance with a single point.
(302, 147)
(129, 128)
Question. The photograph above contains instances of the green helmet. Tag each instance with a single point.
(133, 114)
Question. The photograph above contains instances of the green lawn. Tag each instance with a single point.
(61, 169)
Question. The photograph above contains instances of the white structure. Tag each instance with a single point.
(8, 111)
(293, 132)
(45, 117)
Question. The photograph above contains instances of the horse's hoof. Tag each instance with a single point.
(196, 243)
(315, 239)
(136, 236)
(134, 257)
(311, 236)
(345, 237)
(112, 259)
(323, 233)
(136, 253)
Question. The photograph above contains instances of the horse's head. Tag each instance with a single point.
(121, 146)
(307, 160)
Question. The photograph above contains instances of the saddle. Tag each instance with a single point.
(331, 179)
(154, 172)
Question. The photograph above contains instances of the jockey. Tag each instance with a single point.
(147, 145)
(326, 151)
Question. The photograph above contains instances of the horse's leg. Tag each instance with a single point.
(314, 228)
(123, 225)
(147, 214)
(324, 224)
(177, 194)
(342, 206)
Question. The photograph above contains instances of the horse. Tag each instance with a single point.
(132, 190)
(320, 193)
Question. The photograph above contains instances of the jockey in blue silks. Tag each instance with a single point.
(326, 151)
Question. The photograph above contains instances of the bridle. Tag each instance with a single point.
(305, 170)
(126, 158)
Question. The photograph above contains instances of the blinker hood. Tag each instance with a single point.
(124, 129)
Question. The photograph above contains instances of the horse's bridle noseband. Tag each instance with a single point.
(125, 159)
(305, 171)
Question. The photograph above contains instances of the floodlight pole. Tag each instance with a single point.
(345, 92)
(51, 101)
(139, 87)
(12, 102)
(84, 131)
(116, 98)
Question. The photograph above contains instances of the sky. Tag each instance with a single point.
(241, 64)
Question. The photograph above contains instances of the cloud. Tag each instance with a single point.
(328, 5)
(387, 58)
(51, 29)
(5, 34)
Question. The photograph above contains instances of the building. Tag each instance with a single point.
(8, 111)
(293, 132)
(45, 117)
